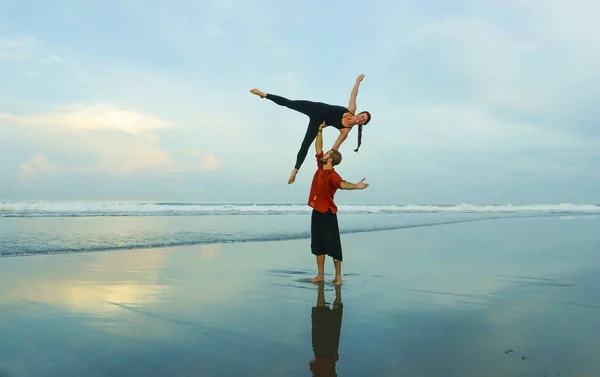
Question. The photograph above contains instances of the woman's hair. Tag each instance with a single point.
(360, 126)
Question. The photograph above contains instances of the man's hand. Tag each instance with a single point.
(354, 186)
(360, 78)
(323, 125)
(361, 185)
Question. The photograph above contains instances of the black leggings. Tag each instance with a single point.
(316, 114)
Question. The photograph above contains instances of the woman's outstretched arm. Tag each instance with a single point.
(341, 138)
(354, 94)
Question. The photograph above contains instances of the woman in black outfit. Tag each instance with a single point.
(340, 117)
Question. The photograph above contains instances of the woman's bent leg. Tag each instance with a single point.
(311, 133)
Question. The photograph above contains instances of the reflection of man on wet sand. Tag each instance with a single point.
(326, 331)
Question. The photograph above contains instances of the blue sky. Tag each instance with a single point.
(473, 101)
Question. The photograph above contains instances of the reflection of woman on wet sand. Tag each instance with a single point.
(326, 331)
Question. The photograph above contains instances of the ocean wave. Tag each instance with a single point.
(201, 238)
(86, 209)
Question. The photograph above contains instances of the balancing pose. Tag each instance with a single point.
(325, 232)
(340, 117)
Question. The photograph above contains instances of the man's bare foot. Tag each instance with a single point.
(293, 177)
(258, 93)
(318, 279)
(337, 281)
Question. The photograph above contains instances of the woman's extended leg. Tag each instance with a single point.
(307, 108)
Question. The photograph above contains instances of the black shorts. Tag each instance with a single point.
(325, 234)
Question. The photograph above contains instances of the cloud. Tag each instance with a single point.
(24, 48)
(95, 117)
(469, 127)
(209, 161)
(533, 57)
(33, 73)
(18, 48)
(488, 77)
(125, 155)
(38, 164)
(23, 56)
(485, 56)
(100, 138)
(52, 59)
(470, 86)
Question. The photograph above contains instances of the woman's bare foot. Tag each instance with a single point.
(337, 281)
(318, 279)
(258, 93)
(293, 177)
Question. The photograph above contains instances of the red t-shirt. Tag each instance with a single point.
(324, 185)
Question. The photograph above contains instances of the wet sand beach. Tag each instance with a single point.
(509, 297)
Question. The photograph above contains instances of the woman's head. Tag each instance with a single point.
(362, 119)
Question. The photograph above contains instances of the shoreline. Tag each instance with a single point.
(304, 236)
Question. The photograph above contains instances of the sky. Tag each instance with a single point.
(472, 101)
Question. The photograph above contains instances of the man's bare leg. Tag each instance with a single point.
(338, 272)
(338, 297)
(321, 303)
(321, 266)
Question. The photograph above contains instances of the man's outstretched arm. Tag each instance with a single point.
(361, 185)
(319, 141)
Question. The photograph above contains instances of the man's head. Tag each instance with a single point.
(332, 155)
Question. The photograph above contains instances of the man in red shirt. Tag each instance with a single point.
(325, 233)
